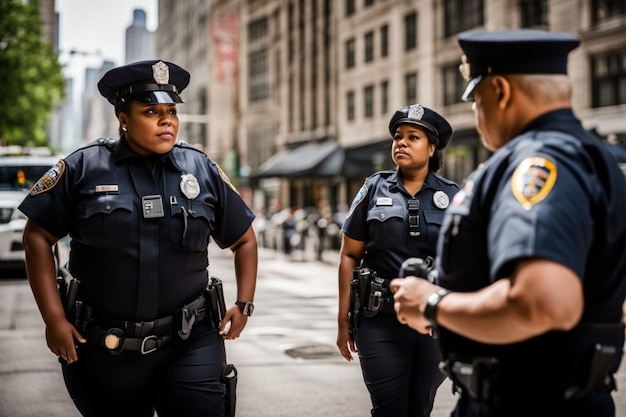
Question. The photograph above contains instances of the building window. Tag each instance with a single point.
(534, 13)
(384, 40)
(453, 85)
(384, 97)
(369, 46)
(605, 9)
(410, 31)
(411, 88)
(257, 29)
(258, 75)
(350, 105)
(608, 79)
(350, 53)
(350, 7)
(368, 101)
(462, 15)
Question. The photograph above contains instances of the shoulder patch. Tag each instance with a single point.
(49, 179)
(360, 196)
(225, 178)
(533, 180)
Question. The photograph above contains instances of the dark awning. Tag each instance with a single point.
(363, 160)
(308, 160)
(328, 159)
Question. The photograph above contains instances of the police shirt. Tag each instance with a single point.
(556, 193)
(379, 216)
(138, 238)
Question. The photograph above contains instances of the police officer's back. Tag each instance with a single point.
(531, 252)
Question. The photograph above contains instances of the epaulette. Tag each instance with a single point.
(446, 180)
(110, 143)
(185, 145)
(384, 174)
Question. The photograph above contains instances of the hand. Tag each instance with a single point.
(345, 343)
(61, 338)
(233, 323)
(410, 296)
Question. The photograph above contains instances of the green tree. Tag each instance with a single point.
(30, 73)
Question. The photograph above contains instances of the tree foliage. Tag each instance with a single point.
(30, 74)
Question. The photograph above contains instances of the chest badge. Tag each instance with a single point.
(441, 200)
(189, 186)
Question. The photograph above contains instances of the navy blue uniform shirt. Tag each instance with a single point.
(132, 266)
(379, 215)
(555, 193)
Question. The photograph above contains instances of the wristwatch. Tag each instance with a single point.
(430, 311)
(247, 308)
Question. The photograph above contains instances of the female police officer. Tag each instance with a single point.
(396, 215)
(140, 212)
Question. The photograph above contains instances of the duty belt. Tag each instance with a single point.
(147, 336)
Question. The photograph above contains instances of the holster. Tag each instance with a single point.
(478, 379)
(214, 293)
(359, 294)
(230, 398)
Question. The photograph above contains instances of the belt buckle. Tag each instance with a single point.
(143, 344)
(114, 341)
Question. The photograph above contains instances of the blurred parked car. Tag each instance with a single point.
(17, 175)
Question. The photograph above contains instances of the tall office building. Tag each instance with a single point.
(139, 40)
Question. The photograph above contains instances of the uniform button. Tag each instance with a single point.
(382, 215)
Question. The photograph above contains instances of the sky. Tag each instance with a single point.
(97, 28)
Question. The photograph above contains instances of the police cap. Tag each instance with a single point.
(423, 117)
(519, 51)
(146, 82)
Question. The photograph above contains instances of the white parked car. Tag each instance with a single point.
(17, 175)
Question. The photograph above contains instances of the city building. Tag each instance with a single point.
(139, 40)
(294, 92)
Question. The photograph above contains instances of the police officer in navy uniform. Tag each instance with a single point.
(140, 212)
(396, 215)
(531, 265)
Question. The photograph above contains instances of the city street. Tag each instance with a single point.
(287, 360)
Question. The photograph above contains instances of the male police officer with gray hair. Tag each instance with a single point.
(531, 266)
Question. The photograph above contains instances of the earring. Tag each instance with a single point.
(124, 129)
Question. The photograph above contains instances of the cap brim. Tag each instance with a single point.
(153, 97)
(467, 95)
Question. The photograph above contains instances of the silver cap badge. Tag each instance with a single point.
(161, 73)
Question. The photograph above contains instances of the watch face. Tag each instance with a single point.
(250, 308)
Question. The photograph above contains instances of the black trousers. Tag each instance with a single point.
(400, 367)
(182, 378)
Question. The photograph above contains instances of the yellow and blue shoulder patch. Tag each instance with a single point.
(49, 179)
(360, 196)
(533, 180)
(225, 178)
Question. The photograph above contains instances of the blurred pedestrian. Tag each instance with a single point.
(145, 333)
(395, 215)
(531, 266)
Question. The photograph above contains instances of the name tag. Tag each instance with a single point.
(384, 201)
(107, 188)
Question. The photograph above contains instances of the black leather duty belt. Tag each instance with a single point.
(147, 336)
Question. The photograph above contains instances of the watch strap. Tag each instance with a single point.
(430, 311)
(247, 308)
